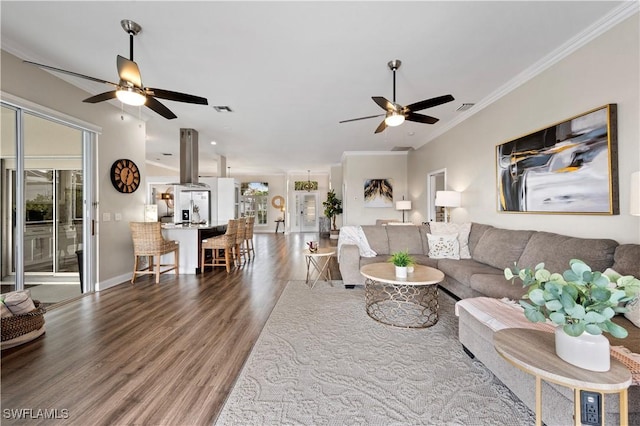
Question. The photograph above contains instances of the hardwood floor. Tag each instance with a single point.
(165, 354)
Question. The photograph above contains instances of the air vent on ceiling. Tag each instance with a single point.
(402, 148)
(464, 107)
(222, 108)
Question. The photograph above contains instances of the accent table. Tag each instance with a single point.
(410, 302)
(320, 260)
(533, 351)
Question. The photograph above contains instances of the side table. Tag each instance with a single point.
(320, 260)
(533, 351)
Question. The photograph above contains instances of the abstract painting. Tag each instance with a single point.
(378, 193)
(570, 167)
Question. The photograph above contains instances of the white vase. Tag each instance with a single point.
(587, 351)
(401, 272)
(410, 269)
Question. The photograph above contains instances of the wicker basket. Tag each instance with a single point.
(18, 325)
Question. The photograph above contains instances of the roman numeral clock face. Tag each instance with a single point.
(125, 176)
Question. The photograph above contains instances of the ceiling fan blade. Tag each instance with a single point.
(176, 96)
(420, 118)
(429, 103)
(75, 74)
(361, 118)
(384, 104)
(129, 71)
(381, 127)
(101, 97)
(159, 108)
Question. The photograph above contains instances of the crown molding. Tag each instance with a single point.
(614, 17)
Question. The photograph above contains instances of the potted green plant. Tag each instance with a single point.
(332, 208)
(401, 260)
(581, 303)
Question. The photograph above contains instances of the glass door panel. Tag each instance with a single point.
(68, 219)
(7, 197)
(309, 215)
(39, 211)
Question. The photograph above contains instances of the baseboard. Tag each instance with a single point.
(112, 282)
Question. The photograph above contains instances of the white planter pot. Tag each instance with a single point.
(585, 351)
(410, 269)
(401, 272)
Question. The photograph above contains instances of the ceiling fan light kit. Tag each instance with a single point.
(396, 114)
(130, 96)
(130, 90)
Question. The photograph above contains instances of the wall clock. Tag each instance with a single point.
(277, 202)
(125, 176)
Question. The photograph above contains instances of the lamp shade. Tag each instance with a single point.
(447, 199)
(403, 205)
(634, 202)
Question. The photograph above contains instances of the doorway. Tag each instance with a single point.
(436, 181)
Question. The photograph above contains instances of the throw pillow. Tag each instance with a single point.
(19, 302)
(633, 313)
(443, 246)
(4, 311)
(462, 229)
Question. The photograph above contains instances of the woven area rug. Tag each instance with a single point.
(320, 360)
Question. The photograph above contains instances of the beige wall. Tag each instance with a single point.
(356, 168)
(604, 71)
(122, 136)
(277, 186)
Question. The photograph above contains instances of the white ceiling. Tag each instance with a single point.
(292, 70)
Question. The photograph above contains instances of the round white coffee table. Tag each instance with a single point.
(410, 302)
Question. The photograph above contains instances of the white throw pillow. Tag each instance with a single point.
(19, 302)
(4, 311)
(443, 246)
(462, 229)
(633, 313)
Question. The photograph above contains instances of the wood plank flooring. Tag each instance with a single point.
(165, 354)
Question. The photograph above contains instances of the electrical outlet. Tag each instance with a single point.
(590, 408)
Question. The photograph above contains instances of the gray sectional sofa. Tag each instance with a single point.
(492, 249)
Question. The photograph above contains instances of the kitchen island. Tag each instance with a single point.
(190, 237)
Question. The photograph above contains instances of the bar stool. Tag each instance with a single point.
(226, 243)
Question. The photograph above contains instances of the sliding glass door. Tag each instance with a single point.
(44, 204)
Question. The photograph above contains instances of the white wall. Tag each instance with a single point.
(277, 186)
(358, 167)
(604, 71)
(123, 136)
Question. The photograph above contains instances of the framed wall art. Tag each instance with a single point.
(570, 167)
(378, 193)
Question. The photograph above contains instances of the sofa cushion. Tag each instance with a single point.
(495, 285)
(462, 270)
(377, 238)
(424, 230)
(377, 259)
(477, 231)
(557, 250)
(461, 229)
(404, 238)
(501, 248)
(423, 259)
(626, 260)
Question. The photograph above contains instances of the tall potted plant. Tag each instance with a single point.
(332, 208)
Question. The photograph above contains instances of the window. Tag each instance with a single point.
(254, 200)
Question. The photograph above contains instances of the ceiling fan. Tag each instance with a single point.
(396, 114)
(130, 89)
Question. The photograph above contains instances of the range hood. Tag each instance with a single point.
(189, 159)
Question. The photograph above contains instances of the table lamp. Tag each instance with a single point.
(448, 199)
(403, 205)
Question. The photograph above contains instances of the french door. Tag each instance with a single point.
(307, 208)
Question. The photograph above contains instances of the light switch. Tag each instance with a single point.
(117, 217)
(106, 217)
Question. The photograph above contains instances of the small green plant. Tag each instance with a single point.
(579, 299)
(401, 258)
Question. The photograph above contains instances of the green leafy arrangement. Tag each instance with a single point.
(332, 208)
(579, 299)
(401, 258)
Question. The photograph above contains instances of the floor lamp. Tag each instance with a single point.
(447, 199)
(403, 205)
